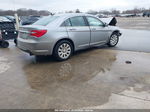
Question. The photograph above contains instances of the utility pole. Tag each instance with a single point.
(16, 17)
(17, 21)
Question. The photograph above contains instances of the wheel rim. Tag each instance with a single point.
(114, 40)
(64, 51)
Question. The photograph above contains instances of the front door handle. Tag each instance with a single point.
(93, 29)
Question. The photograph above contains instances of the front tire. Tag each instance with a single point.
(63, 50)
(113, 41)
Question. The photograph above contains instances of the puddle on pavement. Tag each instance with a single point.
(68, 81)
(79, 69)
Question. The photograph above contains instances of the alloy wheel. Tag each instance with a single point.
(113, 40)
(64, 51)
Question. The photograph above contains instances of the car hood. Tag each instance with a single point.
(110, 21)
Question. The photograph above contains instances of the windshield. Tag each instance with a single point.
(46, 20)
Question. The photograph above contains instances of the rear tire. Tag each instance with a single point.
(63, 50)
(4, 44)
(113, 41)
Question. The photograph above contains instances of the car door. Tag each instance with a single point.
(99, 33)
(78, 31)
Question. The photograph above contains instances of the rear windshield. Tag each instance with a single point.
(4, 19)
(46, 20)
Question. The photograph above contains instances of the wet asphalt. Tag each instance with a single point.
(93, 78)
(134, 40)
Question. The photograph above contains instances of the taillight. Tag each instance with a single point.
(38, 33)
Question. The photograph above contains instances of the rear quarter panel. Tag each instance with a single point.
(54, 35)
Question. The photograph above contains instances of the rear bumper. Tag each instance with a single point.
(33, 47)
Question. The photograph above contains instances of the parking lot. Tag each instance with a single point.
(97, 78)
(141, 23)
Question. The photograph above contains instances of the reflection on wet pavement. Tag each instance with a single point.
(64, 81)
(78, 70)
(89, 78)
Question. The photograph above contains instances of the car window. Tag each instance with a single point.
(4, 19)
(94, 21)
(46, 20)
(66, 23)
(77, 21)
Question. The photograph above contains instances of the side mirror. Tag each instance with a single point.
(105, 25)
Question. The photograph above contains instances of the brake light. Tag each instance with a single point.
(38, 33)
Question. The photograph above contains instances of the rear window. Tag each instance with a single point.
(77, 21)
(46, 20)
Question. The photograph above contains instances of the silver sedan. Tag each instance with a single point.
(61, 35)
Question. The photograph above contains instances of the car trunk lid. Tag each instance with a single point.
(31, 31)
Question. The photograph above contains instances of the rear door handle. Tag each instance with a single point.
(72, 29)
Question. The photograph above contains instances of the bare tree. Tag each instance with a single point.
(77, 11)
(25, 12)
(92, 12)
(104, 12)
(115, 12)
(69, 12)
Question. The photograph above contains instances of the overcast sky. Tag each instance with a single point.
(67, 5)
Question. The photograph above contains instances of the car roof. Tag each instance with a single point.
(65, 16)
(72, 14)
